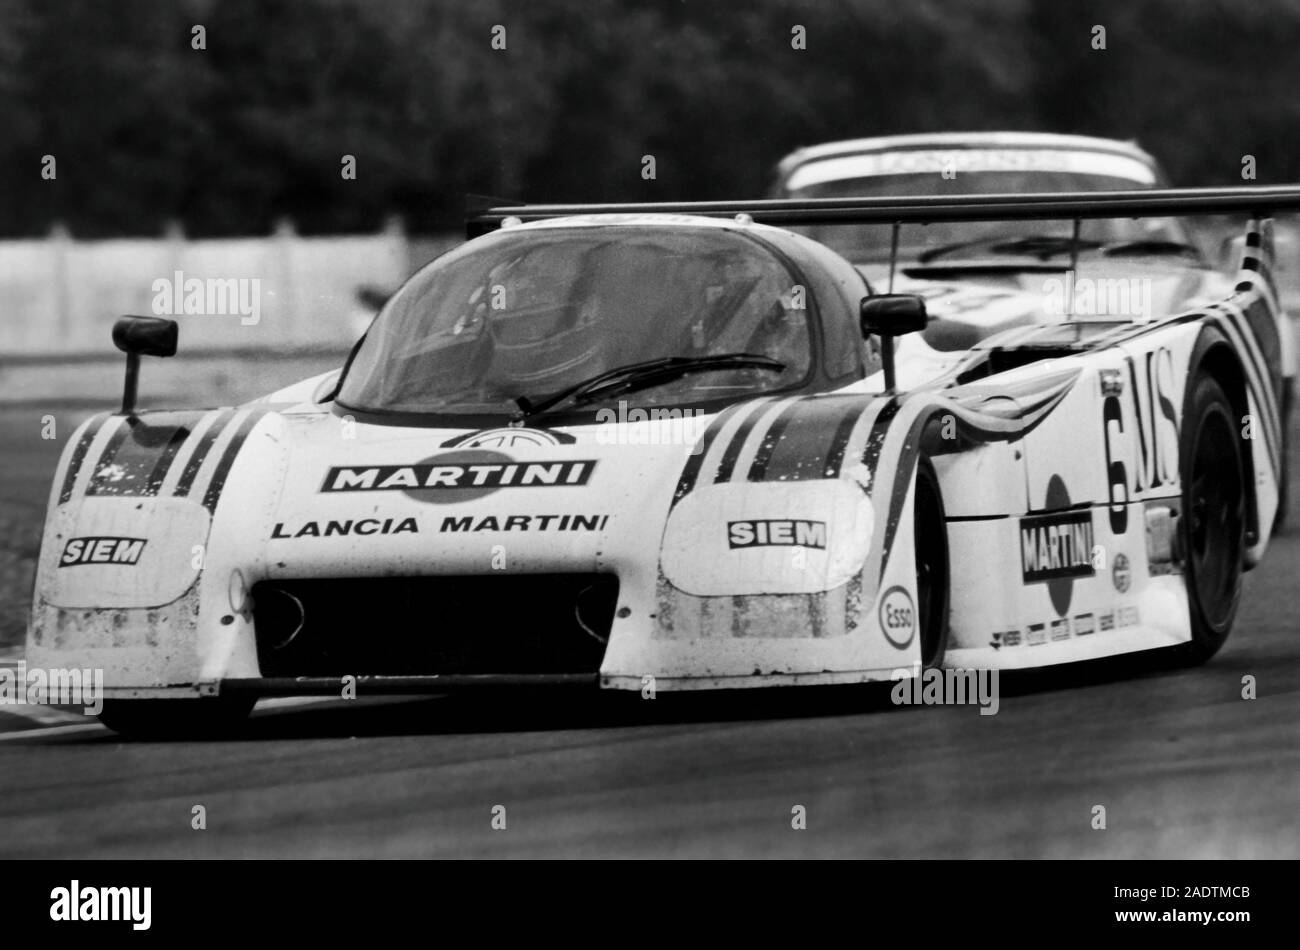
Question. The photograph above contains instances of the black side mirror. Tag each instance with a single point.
(146, 336)
(893, 314)
(137, 336)
(888, 316)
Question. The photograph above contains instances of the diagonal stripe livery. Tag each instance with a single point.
(143, 449)
(812, 436)
(88, 432)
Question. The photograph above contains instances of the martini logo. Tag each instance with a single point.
(101, 551)
(509, 438)
(458, 476)
(526, 523)
(1057, 547)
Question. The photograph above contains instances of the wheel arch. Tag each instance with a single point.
(1213, 354)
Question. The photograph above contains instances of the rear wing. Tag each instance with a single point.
(1256, 202)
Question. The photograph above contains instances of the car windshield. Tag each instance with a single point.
(864, 244)
(528, 313)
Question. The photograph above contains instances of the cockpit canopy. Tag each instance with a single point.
(528, 312)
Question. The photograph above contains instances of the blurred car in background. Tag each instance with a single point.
(981, 163)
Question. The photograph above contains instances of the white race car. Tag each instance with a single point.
(670, 445)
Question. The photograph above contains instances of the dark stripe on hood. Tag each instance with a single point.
(812, 433)
(201, 451)
(218, 482)
(141, 452)
(79, 455)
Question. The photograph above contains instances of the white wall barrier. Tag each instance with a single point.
(280, 294)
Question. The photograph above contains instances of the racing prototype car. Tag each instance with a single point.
(674, 445)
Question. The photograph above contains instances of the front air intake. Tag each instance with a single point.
(414, 626)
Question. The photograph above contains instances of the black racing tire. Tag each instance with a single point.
(933, 577)
(176, 718)
(1284, 478)
(1212, 525)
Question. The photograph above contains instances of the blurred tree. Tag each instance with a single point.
(228, 139)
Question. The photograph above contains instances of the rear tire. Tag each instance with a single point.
(930, 531)
(1284, 479)
(1212, 526)
(176, 718)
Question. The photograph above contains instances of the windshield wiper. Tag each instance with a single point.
(1150, 246)
(642, 375)
(1041, 246)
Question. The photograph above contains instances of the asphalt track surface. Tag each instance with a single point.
(1184, 766)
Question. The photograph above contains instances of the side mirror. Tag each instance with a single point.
(888, 316)
(893, 314)
(145, 336)
(137, 336)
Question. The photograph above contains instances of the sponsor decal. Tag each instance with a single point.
(469, 523)
(1121, 574)
(898, 617)
(508, 438)
(1157, 434)
(459, 476)
(1005, 638)
(1084, 625)
(361, 526)
(1157, 420)
(101, 551)
(1060, 629)
(1106, 621)
(1037, 634)
(1057, 547)
(1127, 617)
(783, 532)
